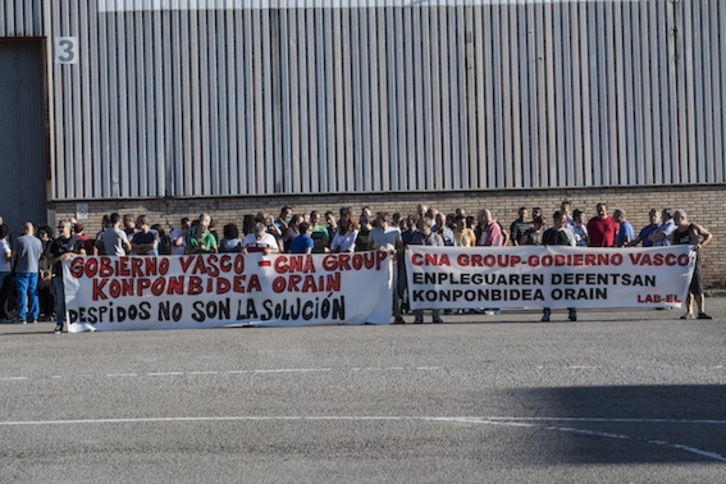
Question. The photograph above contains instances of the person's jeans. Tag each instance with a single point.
(27, 286)
(60, 300)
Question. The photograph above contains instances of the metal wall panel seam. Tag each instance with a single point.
(410, 100)
(543, 126)
(291, 95)
(498, 120)
(364, 117)
(383, 74)
(4, 19)
(561, 101)
(349, 102)
(478, 91)
(237, 87)
(140, 101)
(585, 93)
(659, 137)
(675, 82)
(305, 59)
(611, 174)
(690, 82)
(92, 114)
(249, 112)
(356, 120)
(632, 40)
(391, 113)
(215, 141)
(326, 102)
(517, 137)
(432, 173)
(706, 160)
(718, 14)
(488, 74)
(339, 180)
(575, 78)
(551, 107)
(423, 176)
(233, 31)
(400, 106)
(104, 107)
(472, 177)
(267, 182)
(648, 88)
(460, 168)
(441, 134)
(620, 168)
(507, 52)
(204, 117)
(224, 50)
(163, 124)
(258, 182)
(10, 19)
(682, 174)
(374, 126)
(697, 40)
(61, 93)
(314, 88)
(526, 69)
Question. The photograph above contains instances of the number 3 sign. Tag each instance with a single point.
(66, 50)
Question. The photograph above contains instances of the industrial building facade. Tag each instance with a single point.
(170, 107)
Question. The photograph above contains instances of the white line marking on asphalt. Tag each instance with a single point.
(203, 372)
(526, 422)
(425, 368)
(14, 378)
(580, 367)
(169, 373)
(57, 377)
(112, 375)
(283, 370)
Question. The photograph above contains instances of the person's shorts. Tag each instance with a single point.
(696, 286)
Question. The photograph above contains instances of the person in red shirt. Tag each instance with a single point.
(602, 228)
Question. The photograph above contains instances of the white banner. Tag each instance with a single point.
(224, 290)
(553, 276)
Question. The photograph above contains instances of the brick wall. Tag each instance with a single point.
(704, 205)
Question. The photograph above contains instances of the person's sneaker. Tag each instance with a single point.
(546, 315)
(703, 316)
(35, 321)
(489, 312)
(418, 321)
(438, 321)
(58, 329)
(572, 315)
(399, 320)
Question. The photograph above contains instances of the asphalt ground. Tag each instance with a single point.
(619, 396)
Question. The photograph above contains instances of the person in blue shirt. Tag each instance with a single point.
(303, 243)
(626, 234)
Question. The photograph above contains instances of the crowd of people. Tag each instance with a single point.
(31, 264)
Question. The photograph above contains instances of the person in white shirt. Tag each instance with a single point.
(260, 241)
(388, 239)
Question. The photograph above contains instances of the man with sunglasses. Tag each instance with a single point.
(64, 247)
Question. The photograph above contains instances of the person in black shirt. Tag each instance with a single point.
(559, 234)
(687, 233)
(65, 247)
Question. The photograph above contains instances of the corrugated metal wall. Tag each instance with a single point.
(22, 18)
(193, 98)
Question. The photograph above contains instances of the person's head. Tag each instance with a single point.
(78, 228)
(431, 213)
(412, 222)
(230, 231)
(470, 221)
(314, 217)
(4, 232)
(296, 220)
(366, 210)
(654, 216)
(680, 217)
(485, 216)
(559, 219)
(460, 222)
(143, 223)
(286, 213)
(426, 225)
(129, 222)
(345, 211)
(460, 211)
(422, 209)
(666, 214)
(185, 223)
(566, 208)
(602, 210)
(248, 223)
(382, 220)
(106, 221)
(348, 223)
(204, 221)
(523, 213)
(619, 215)
(396, 219)
(64, 228)
(577, 216)
(440, 220)
(260, 230)
(536, 213)
(330, 218)
(114, 219)
(305, 228)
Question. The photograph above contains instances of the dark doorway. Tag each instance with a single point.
(23, 140)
